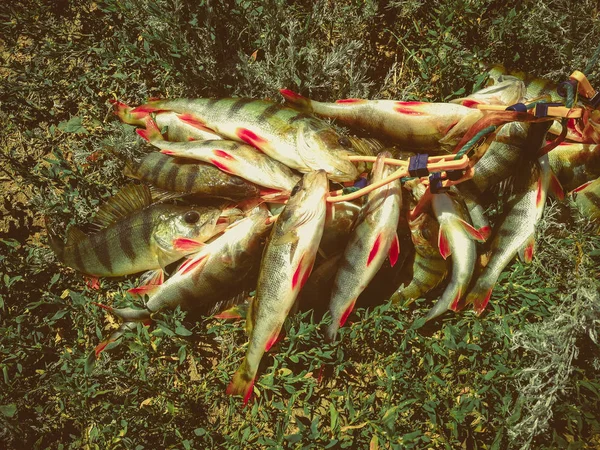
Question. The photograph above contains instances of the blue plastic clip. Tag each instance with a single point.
(541, 109)
(417, 165)
(518, 107)
(435, 183)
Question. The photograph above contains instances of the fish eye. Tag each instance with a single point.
(345, 142)
(191, 217)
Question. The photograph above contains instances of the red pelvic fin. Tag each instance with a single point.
(471, 231)
(374, 250)
(146, 109)
(192, 264)
(223, 154)
(166, 151)
(306, 275)
(394, 250)
(469, 103)
(347, 313)
(485, 232)
(292, 96)
(100, 305)
(540, 196)
(296, 277)
(100, 347)
(194, 122)
(187, 245)
(272, 340)
(582, 187)
(143, 290)
(220, 165)
(527, 250)
(250, 137)
(443, 244)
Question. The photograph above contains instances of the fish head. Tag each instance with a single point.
(306, 202)
(320, 147)
(424, 233)
(193, 222)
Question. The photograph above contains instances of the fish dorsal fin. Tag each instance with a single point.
(160, 195)
(131, 198)
(74, 235)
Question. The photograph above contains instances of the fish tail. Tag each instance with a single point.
(297, 101)
(127, 314)
(124, 112)
(242, 383)
(448, 300)
(480, 294)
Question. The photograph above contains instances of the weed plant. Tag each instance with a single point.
(524, 375)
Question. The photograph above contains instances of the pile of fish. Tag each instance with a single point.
(236, 203)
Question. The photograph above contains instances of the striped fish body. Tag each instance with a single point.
(515, 234)
(176, 129)
(417, 125)
(588, 200)
(429, 268)
(299, 141)
(189, 177)
(508, 91)
(237, 159)
(499, 160)
(373, 237)
(141, 241)
(213, 273)
(575, 164)
(286, 264)
(535, 87)
(456, 238)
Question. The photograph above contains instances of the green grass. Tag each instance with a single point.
(524, 374)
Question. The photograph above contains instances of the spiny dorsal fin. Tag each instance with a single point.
(74, 235)
(133, 197)
(160, 195)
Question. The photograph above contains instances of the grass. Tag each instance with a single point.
(525, 375)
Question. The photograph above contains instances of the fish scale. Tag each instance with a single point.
(299, 141)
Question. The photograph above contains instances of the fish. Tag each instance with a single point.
(338, 226)
(575, 164)
(176, 130)
(181, 175)
(456, 237)
(234, 158)
(507, 91)
(135, 235)
(587, 199)
(299, 141)
(515, 234)
(417, 125)
(429, 268)
(210, 275)
(535, 87)
(285, 266)
(373, 238)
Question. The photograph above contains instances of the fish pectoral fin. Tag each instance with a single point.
(250, 316)
(186, 245)
(154, 277)
(443, 243)
(394, 250)
(195, 122)
(143, 290)
(290, 237)
(527, 250)
(471, 231)
(74, 235)
(458, 130)
(196, 263)
(235, 312)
